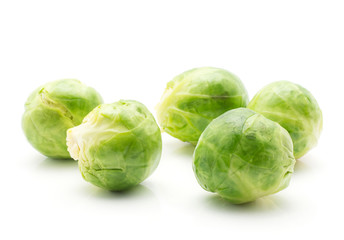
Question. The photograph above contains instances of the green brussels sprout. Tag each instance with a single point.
(118, 145)
(295, 109)
(52, 109)
(194, 98)
(242, 156)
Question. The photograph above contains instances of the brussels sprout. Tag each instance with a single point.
(295, 109)
(194, 98)
(242, 156)
(53, 108)
(118, 145)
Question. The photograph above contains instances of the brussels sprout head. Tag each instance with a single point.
(243, 156)
(295, 109)
(117, 145)
(194, 98)
(53, 108)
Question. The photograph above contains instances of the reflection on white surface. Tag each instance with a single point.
(263, 205)
(49, 163)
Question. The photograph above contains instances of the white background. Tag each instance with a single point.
(130, 50)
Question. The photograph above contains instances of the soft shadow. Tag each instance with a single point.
(134, 192)
(186, 150)
(58, 163)
(301, 166)
(306, 162)
(174, 146)
(138, 200)
(264, 204)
